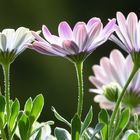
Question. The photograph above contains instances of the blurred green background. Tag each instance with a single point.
(54, 77)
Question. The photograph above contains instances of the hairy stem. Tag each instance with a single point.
(6, 69)
(79, 70)
(135, 69)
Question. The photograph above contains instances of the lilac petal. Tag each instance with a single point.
(99, 74)
(93, 34)
(107, 105)
(132, 21)
(129, 65)
(121, 22)
(117, 62)
(118, 42)
(104, 102)
(105, 64)
(95, 81)
(91, 22)
(103, 36)
(71, 47)
(138, 36)
(45, 49)
(109, 28)
(65, 31)
(80, 34)
(57, 40)
(100, 98)
(122, 26)
(59, 49)
(95, 44)
(37, 46)
(123, 39)
(37, 37)
(47, 34)
(95, 30)
(117, 59)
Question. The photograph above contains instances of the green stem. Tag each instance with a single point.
(3, 135)
(136, 123)
(79, 70)
(135, 69)
(6, 69)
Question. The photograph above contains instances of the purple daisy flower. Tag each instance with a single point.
(128, 34)
(116, 69)
(82, 40)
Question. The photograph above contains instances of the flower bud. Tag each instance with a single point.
(112, 91)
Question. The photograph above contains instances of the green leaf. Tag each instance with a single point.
(130, 135)
(61, 134)
(38, 137)
(23, 127)
(76, 127)
(14, 113)
(28, 106)
(124, 118)
(41, 126)
(17, 121)
(97, 129)
(133, 136)
(103, 117)
(87, 120)
(37, 107)
(60, 118)
(2, 110)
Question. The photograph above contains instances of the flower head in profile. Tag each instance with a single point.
(13, 42)
(128, 34)
(115, 69)
(76, 43)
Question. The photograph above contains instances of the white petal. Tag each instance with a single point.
(20, 37)
(9, 33)
(3, 42)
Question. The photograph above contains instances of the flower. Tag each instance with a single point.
(81, 41)
(116, 69)
(128, 34)
(12, 43)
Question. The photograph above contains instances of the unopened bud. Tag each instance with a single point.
(112, 91)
